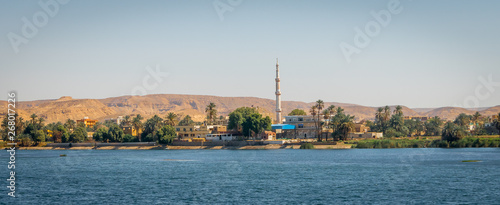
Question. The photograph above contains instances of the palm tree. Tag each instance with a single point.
(152, 125)
(137, 124)
(326, 117)
(326, 114)
(331, 109)
(346, 126)
(398, 110)
(331, 113)
(476, 117)
(40, 122)
(475, 120)
(448, 131)
(126, 121)
(314, 112)
(340, 110)
(319, 105)
(387, 113)
(70, 124)
(386, 116)
(186, 121)
(33, 118)
(172, 119)
(463, 120)
(378, 115)
(453, 132)
(19, 123)
(211, 112)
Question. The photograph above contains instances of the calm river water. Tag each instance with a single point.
(359, 176)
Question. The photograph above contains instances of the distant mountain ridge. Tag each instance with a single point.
(160, 104)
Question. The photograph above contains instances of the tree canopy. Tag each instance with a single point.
(237, 117)
(211, 112)
(186, 121)
(249, 121)
(255, 124)
(166, 134)
(341, 124)
(78, 135)
(297, 112)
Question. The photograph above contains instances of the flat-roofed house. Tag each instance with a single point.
(87, 122)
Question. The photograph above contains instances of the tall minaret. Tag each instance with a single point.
(278, 94)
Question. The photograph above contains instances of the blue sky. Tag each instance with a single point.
(431, 54)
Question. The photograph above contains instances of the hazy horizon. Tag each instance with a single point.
(428, 54)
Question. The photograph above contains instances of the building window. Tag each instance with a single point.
(301, 125)
(178, 129)
(184, 129)
(301, 119)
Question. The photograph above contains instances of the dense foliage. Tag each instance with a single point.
(186, 121)
(34, 131)
(297, 112)
(249, 121)
(306, 146)
(394, 125)
(333, 119)
(415, 143)
(341, 124)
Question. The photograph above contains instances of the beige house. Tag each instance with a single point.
(87, 122)
(305, 126)
(131, 130)
(361, 127)
(194, 131)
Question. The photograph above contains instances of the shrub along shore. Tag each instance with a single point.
(427, 143)
(433, 142)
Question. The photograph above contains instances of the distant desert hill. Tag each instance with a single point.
(194, 105)
(491, 111)
(61, 110)
(448, 112)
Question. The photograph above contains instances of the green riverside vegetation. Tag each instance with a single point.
(470, 161)
(307, 146)
(427, 143)
(34, 131)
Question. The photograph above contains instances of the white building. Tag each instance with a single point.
(220, 137)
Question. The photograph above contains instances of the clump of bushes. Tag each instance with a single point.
(476, 142)
(307, 146)
(407, 143)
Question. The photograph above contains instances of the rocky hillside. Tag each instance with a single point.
(194, 105)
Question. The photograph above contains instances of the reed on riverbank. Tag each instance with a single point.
(426, 143)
